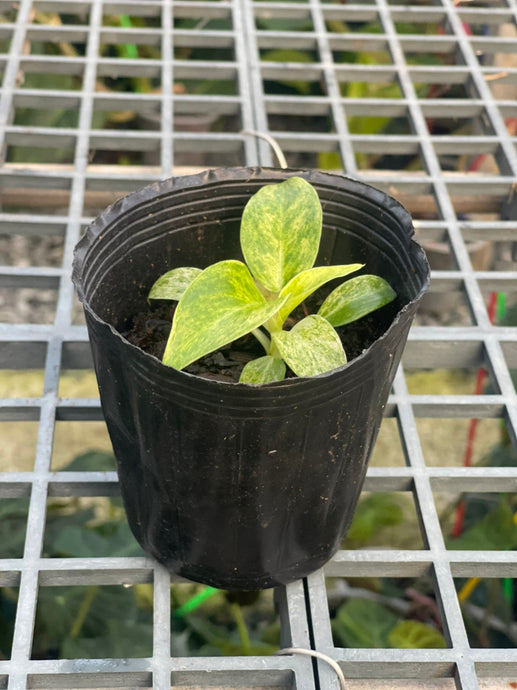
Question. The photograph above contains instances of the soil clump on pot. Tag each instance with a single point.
(150, 329)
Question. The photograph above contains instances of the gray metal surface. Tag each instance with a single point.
(308, 82)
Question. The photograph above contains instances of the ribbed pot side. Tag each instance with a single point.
(238, 486)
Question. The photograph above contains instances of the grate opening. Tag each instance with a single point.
(83, 614)
(102, 681)
(384, 613)
(13, 529)
(480, 518)
(446, 304)
(448, 381)
(20, 434)
(444, 442)
(73, 438)
(488, 609)
(388, 451)
(16, 383)
(27, 304)
(8, 604)
(45, 147)
(77, 383)
(386, 520)
(234, 624)
(93, 527)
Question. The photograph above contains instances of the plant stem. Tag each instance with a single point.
(263, 339)
(275, 352)
(243, 630)
(274, 324)
(91, 592)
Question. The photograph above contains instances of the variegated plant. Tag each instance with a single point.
(280, 235)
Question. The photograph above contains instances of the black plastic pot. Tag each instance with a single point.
(237, 486)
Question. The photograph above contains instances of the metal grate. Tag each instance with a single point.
(194, 74)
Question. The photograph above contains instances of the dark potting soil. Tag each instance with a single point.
(150, 330)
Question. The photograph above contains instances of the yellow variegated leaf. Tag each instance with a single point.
(263, 370)
(311, 347)
(220, 305)
(356, 298)
(306, 282)
(172, 285)
(280, 231)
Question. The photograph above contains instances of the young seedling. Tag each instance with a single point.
(280, 235)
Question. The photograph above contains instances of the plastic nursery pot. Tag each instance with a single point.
(233, 485)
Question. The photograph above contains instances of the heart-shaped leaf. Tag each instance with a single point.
(172, 285)
(306, 282)
(220, 305)
(263, 370)
(311, 347)
(363, 623)
(280, 231)
(356, 298)
(411, 634)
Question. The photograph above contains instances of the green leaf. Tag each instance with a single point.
(110, 539)
(263, 370)
(13, 522)
(306, 282)
(362, 623)
(172, 285)
(497, 531)
(59, 607)
(373, 513)
(80, 542)
(413, 634)
(311, 347)
(220, 305)
(122, 639)
(356, 298)
(280, 231)
(14, 508)
(92, 461)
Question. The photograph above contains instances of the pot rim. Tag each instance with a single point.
(214, 176)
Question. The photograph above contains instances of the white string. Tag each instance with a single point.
(272, 142)
(317, 655)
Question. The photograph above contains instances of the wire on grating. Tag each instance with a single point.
(317, 655)
(272, 142)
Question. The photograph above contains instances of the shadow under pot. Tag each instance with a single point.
(233, 485)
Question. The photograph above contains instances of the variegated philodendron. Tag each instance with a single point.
(280, 235)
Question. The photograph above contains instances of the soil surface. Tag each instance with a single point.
(150, 331)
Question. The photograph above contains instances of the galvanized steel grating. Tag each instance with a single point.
(101, 97)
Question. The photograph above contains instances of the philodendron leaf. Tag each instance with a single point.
(311, 347)
(172, 285)
(411, 634)
(374, 512)
(280, 231)
(356, 298)
(306, 282)
(363, 623)
(497, 530)
(220, 305)
(263, 370)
